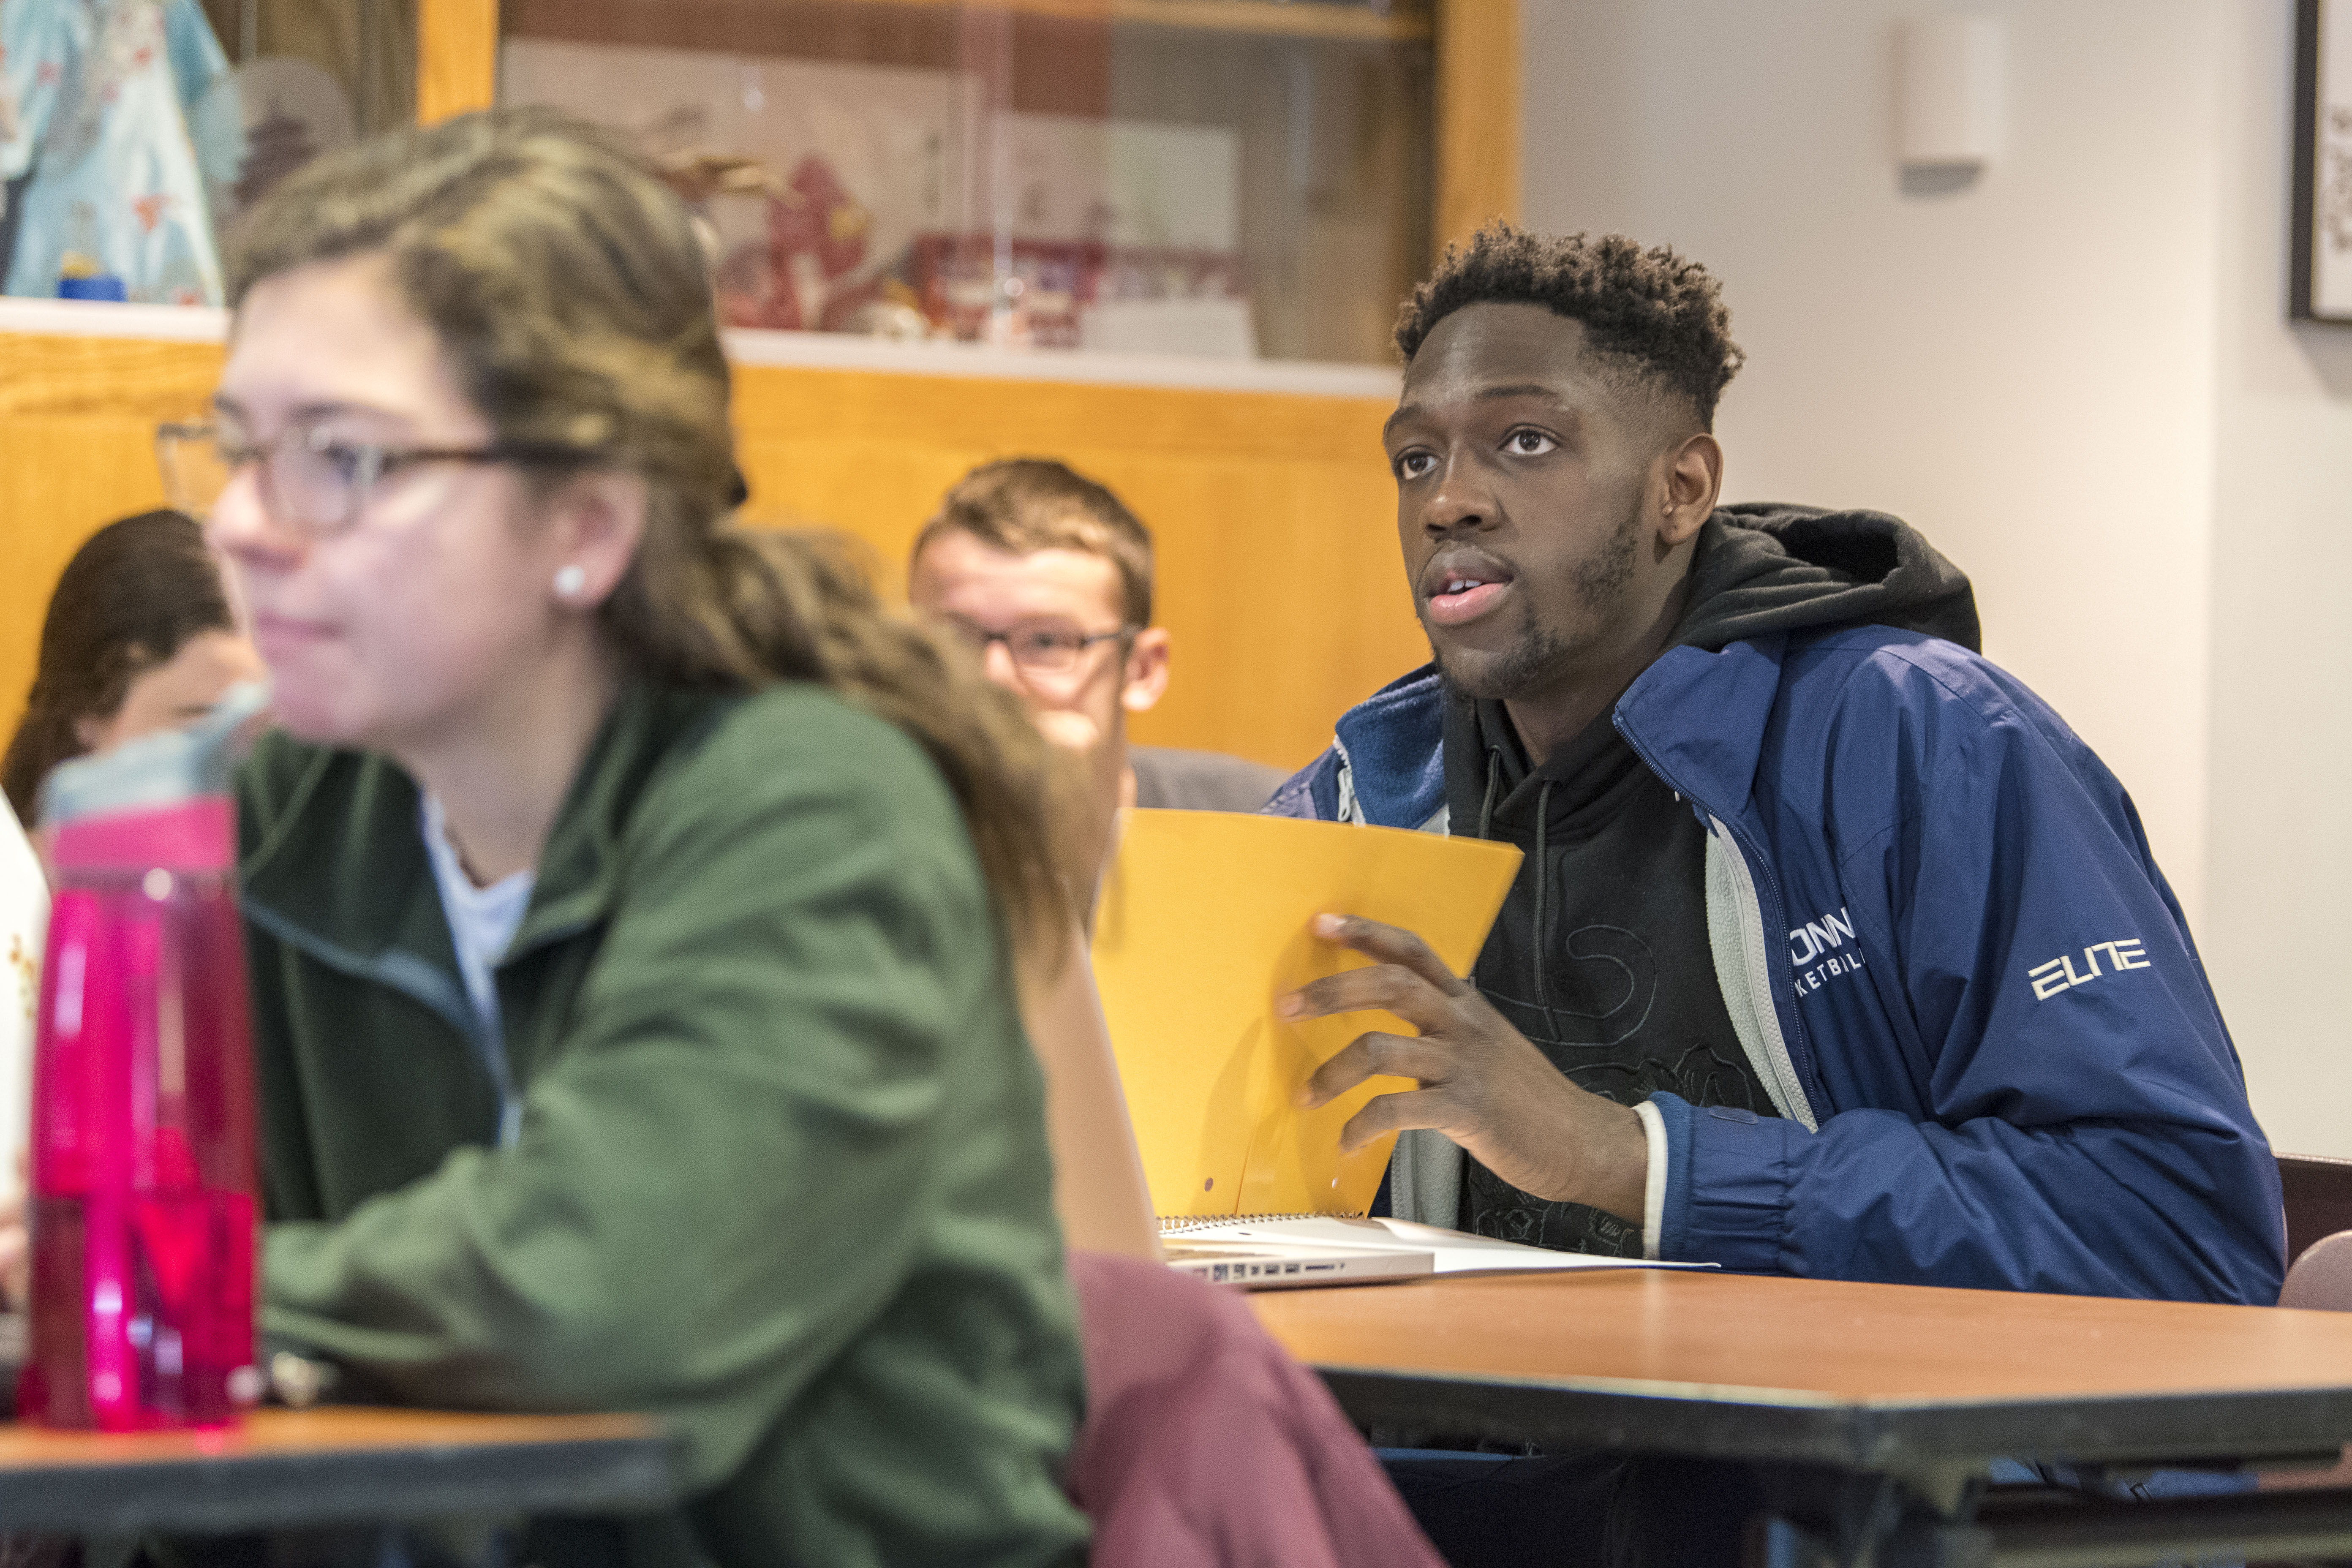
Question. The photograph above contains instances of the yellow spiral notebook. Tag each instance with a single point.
(1202, 921)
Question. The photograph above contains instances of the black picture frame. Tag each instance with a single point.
(2320, 253)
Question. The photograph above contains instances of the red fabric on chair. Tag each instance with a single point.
(1205, 1446)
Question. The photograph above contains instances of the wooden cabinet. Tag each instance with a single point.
(1476, 49)
(1231, 178)
(1262, 482)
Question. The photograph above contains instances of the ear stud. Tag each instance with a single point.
(569, 580)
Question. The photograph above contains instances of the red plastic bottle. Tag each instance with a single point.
(142, 1129)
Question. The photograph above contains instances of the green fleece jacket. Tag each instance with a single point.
(780, 1178)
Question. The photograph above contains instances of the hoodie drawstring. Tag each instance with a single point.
(1543, 871)
(1543, 815)
(1486, 816)
(1494, 778)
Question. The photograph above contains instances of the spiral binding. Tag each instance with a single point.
(1183, 1225)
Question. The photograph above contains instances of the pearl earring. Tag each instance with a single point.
(569, 580)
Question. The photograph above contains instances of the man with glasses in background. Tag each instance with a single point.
(1049, 576)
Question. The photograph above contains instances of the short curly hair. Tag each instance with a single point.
(1652, 307)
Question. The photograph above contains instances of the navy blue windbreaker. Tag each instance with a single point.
(1968, 985)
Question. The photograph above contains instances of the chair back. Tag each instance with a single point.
(1205, 1446)
(2321, 1279)
(2319, 1193)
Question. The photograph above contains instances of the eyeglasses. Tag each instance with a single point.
(312, 479)
(1037, 647)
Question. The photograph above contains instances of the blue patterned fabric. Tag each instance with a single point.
(96, 98)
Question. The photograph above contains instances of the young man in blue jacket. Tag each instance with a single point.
(1835, 953)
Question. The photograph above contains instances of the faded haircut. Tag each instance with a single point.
(1022, 505)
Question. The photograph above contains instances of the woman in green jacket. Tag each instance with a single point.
(632, 908)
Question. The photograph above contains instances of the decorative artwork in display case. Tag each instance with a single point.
(108, 189)
(831, 169)
(1228, 178)
(129, 134)
(840, 196)
(286, 111)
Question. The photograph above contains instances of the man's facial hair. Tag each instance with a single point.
(1540, 655)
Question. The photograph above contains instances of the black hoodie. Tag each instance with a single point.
(1600, 956)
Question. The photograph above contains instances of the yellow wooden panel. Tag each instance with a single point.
(1477, 116)
(1278, 574)
(125, 379)
(1274, 517)
(456, 57)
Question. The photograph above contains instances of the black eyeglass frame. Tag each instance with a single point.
(375, 462)
(978, 639)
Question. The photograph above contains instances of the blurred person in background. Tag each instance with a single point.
(140, 637)
(1048, 576)
(633, 909)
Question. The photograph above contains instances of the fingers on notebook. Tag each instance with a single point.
(1389, 944)
(1371, 1056)
(1394, 1113)
(1388, 986)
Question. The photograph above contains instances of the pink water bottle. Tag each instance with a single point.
(143, 1109)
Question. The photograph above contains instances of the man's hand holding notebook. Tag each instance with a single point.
(1269, 1054)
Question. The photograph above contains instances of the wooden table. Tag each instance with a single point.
(1902, 1397)
(330, 1465)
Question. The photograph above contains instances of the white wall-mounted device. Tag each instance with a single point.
(1948, 92)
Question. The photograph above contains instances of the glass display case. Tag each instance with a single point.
(1243, 179)
(1211, 176)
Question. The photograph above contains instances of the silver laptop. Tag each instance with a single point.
(1211, 1250)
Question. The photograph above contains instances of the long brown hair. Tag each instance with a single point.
(568, 288)
(134, 592)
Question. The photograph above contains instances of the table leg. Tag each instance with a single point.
(1821, 1519)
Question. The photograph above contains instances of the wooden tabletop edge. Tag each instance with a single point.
(325, 1429)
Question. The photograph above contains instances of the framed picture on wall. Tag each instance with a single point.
(2322, 281)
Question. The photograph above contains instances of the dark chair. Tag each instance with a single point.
(2318, 1199)
(2321, 1279)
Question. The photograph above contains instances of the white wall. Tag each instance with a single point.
(2076, 375)
(2023, 369)
(2279, 765)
